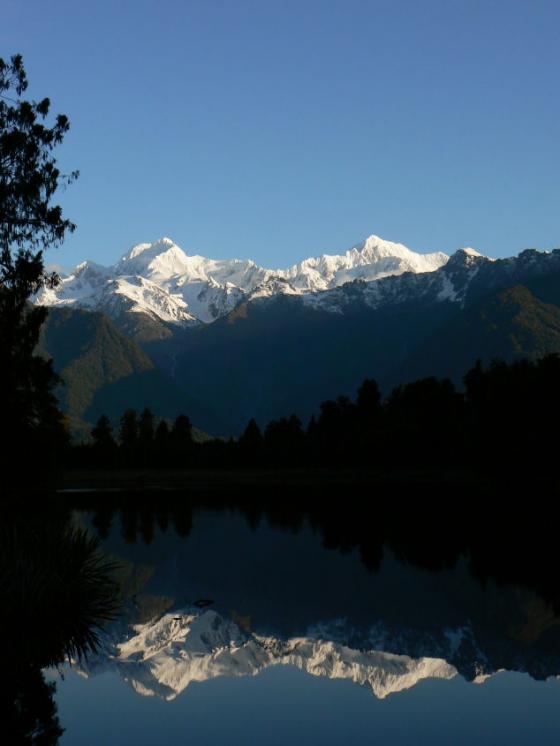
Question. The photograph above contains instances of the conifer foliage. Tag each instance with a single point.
(504, 419)
(29, 223)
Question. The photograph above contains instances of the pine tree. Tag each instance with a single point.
(252, 439)
(161, 444)
(369, 399)
(181, 432)
(128, 433)
(102, 433)
(181, 440)
(161, 436)
(146, 437)
(29, 223)
(104, 447)
(146, 427)
(251, 444)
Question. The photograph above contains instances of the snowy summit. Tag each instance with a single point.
(163, 281)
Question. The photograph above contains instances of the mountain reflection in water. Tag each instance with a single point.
(377, 601)
(287, 589)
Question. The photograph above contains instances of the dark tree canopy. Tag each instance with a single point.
(29, 223)
(128, 432)
(369, 398)
(29, 176)
(252, 437)
(161, 436)
(181, 432)
(102, 433)
(146, 427)
(103, 441)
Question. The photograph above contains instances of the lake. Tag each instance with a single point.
(285, 625)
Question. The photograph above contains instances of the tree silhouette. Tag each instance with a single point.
(181, 432)
(29, 223)
(251, 444)
(146, 436)
(128, 432)
(507, 414)
(161, 443)
(333, 429)
(162, 434)
(181, 440)
(284, 439)
(128, 436)
(426, 416)
(369, 399)
(104, 445)
(146, 428)
(102, 433)
(51, 571)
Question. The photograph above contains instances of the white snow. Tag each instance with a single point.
(471, 252)
(448, 291)
(161, 279)
(164, 657)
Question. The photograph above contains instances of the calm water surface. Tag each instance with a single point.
(233, 630)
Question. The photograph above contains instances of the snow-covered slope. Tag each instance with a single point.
(162, 658)
(371, 260)
(450, 282)
(99, 288)
(466, 276)
(161, 280)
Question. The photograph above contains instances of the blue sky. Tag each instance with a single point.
(279, 130)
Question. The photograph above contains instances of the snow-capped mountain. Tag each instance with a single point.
(94, 287)
(161, 658)
(466, 277)
(451, 282)
(394, 329)
(161, 280)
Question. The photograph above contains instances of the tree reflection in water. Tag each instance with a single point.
(57, 592)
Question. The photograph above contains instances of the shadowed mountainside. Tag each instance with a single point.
(511, 324)
(103, 371)
(283, 356)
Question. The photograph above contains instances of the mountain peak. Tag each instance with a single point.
(470, 251)
(156, 247)
(205, 289)
(397, 257)
(186, 646)
(465, 258)
(377, 242)
(162, 257)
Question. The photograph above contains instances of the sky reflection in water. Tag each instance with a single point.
(269, 575)
(284, 705)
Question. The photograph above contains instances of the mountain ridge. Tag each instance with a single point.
(280, 349)
(287, 353)
(162, 281)
(104, 372)
(163, 657)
